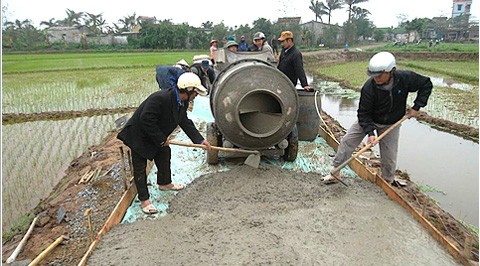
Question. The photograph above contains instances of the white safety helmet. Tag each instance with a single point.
(258, 35)
(381, 62)
(191, 82)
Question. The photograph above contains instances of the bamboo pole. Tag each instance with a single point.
(47, 251)
(22, 243)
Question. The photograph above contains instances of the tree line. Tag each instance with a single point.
(164, 34)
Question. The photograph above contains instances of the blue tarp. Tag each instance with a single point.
(190, 163)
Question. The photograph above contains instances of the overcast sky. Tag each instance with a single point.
(384, 13)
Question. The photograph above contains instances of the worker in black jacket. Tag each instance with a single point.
(383, 102)
(291, 62)
(205, 72)
(147, 133)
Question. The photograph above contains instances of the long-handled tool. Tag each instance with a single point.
(332, 173)
(252, 160)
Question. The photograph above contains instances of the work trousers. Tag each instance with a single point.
(164, 174)
(388, 148)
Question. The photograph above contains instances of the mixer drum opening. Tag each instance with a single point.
(260, 114)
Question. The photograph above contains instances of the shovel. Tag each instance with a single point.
(332, 173)
(253, 160)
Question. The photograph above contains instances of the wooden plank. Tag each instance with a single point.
(115, 217)
(366, 174)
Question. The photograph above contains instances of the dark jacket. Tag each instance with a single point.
(386, 107)
(291, 64)
(155, 119)
(210, 75)
(167, 76)
(243, 46)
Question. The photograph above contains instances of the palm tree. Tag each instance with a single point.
(350, 4)
(318, 9)
(331, 5)
(50, 23)
(207, 24)
(73, 18)
(18, 25)
(128, 22)
(95, 22)
(359, 13)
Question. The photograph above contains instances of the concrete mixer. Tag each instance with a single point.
(255, 107)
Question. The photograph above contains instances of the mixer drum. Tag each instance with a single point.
(254, 104)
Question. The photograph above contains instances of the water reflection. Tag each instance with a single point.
(442, 82)
(431, 157)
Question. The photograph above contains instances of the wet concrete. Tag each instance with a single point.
(274, 216)
(280, 213)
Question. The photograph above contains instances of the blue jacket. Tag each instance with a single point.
(243, 46)
(167, 76)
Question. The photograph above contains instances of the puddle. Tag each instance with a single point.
(442, 82)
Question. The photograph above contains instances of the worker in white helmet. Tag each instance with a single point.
(383, 101)
(147, 134)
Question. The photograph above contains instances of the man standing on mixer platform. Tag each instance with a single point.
(291, 62)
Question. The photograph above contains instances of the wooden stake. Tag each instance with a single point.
(123, 169)
(129, 157)
(89, 221)
(22, 243)
(47, 251)
(467, 248)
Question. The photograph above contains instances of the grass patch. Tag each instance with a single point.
(21, 63)
(353, 72)
(423, 47)
(428, 188)
(76, 90)
(463, 71)
(19, 227)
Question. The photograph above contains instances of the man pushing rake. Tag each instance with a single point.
(382, 108)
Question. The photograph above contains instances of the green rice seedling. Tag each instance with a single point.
(14, 63)
(41, 163)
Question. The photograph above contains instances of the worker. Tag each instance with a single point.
(291, 61)
(242, 45)
(232, 46)
(260, 43)
(382, 103)
(203, 70)
(167, 76)
(213, 51)
(147, 134)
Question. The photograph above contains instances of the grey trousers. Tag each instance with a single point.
(388, 147)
